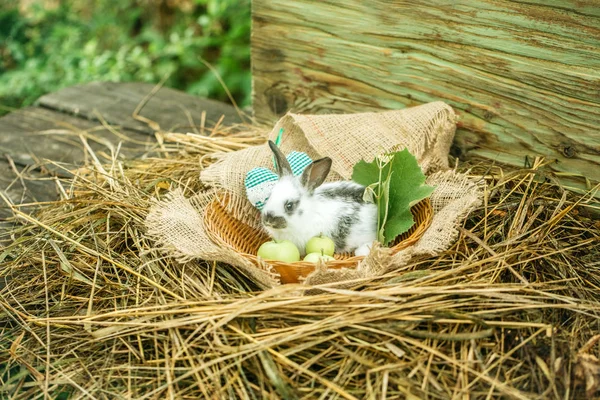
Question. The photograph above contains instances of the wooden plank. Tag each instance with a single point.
(54, 131)
(25, 184)
(22, 185)
(33, 134)
(524, 77)
(31, 137)
(116, 102)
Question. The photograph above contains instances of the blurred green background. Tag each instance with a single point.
(49, 44)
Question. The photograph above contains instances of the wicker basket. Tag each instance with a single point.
(229, 231)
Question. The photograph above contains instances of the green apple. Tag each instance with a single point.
(283, 250)
(315, 257)
(320, 244)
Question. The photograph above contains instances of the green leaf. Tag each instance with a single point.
(366, 173)
(398, 184)
(406, 189)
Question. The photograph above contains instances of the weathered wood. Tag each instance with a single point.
(33, 135)
(25, 184)
(53, 131)
(21, 185)
(523, 76)
(116, 102)
(31, 139)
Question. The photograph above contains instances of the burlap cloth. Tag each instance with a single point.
(177, 225)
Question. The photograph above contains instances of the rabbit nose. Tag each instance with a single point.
(274, 221)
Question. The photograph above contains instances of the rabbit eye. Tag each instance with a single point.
(290, 206)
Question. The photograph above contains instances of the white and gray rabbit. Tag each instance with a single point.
(301, 207)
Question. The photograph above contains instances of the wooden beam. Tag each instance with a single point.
(524, 76)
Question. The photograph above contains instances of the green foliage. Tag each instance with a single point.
(46, 49)
(395, 183)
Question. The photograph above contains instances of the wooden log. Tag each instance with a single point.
(116, 102)
(524, 76)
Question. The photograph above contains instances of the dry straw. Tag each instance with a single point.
(88, 308)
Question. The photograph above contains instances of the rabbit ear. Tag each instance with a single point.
(282, 164)
(315, 173)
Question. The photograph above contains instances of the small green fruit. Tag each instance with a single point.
(315, 257)
(320, 244)
(279, 251)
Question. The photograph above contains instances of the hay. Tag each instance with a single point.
(89, 308)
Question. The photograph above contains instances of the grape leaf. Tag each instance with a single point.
(365, 173)
(398, 183)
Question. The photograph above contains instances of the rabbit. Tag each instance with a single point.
(301, 207)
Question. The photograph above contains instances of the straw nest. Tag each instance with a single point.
(89, 309)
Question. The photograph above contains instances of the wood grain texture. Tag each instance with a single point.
(32, 139)
(116, 102)
(21, 185)
(34, 135)
(524, 76)
(24, 185)
(53, 130)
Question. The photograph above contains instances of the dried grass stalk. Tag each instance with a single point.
(87, 307)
